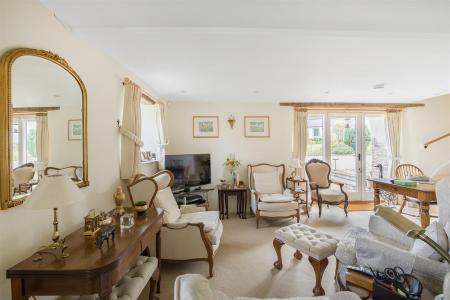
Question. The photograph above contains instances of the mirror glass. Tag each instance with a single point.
(46, 124)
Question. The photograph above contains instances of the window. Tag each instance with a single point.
(24, 141)
(314, 148)
(149, 132)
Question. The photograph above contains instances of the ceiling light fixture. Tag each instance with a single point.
(378, 86)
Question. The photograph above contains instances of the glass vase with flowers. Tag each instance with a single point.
(233, 165)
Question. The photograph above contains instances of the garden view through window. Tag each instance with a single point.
(354, 145)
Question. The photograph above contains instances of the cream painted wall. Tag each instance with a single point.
(422, 124)
(276, 149)
(62, 152)
(26, 23)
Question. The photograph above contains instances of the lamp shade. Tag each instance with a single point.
(295, 163)
(54, 191)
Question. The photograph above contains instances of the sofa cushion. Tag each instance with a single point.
(164, 200)
(437, 233)
(267, 183)
(281, 206)
(197, 287)
(215, 235)
(209, 218)
(274, 198)
(329, 195)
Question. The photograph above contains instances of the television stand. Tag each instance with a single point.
(195, 196)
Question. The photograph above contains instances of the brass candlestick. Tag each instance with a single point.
(57, 248)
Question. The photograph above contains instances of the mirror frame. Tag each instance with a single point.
(6, 62)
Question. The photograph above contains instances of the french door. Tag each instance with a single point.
(354, 144)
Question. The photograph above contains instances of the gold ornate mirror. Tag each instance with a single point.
(43, 122)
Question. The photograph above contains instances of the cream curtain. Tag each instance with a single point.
(42, 139)
(300, 137)
(162, 131)
(393, 128)
(131, 131)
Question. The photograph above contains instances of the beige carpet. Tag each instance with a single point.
(243, 265)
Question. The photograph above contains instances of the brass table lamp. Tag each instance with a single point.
(410, 228)
(53, 192)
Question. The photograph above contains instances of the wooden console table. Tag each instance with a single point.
(88, 270)
(425, 194)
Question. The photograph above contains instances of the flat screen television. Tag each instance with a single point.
(190, 170)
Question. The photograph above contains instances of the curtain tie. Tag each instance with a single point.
(132, 137)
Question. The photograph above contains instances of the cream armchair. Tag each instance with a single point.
(197, 287)
(318, 173)
(21, 176)
(269, 199)
(383, 245)
(188, 234)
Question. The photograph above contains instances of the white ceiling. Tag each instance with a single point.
(273, 50)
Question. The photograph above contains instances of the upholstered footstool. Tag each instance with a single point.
(307, 240)
(134, 281)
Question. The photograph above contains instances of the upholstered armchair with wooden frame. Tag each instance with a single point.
(269, 197)
(189, 233)
(318, 173)
(21, 176)
(74, 172)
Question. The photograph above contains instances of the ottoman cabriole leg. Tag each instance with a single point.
(277, 244)
(298, 255)
(319, 267)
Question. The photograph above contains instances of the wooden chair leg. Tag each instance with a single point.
(345, 208)
(211, 265)
(257, 219)
(153, 283)
(403, 205)
(277, 244)
(319, 267)
(320, 208)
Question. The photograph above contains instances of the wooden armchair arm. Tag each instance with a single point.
(313, 186)
(341, 185)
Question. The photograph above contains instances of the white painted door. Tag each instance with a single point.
(353, 144)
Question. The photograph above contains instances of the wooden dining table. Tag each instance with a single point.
(424, 192)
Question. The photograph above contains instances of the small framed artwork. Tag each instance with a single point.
(75, 130)
(257, 126)
(205, 126)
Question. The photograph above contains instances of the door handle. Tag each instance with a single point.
(359, 156)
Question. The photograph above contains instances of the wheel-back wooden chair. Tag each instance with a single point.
(318, 173)
(402, 172)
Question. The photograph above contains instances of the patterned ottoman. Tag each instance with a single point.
(307, 240)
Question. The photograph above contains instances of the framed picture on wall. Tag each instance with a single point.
(75, 131)
(205, 126)
(257, 126)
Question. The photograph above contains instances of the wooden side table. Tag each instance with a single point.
(241, 193)
(294, 184)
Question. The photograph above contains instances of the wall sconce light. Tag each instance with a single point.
(231, 120)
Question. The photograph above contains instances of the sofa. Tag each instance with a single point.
(383, 245)
(197, 287)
